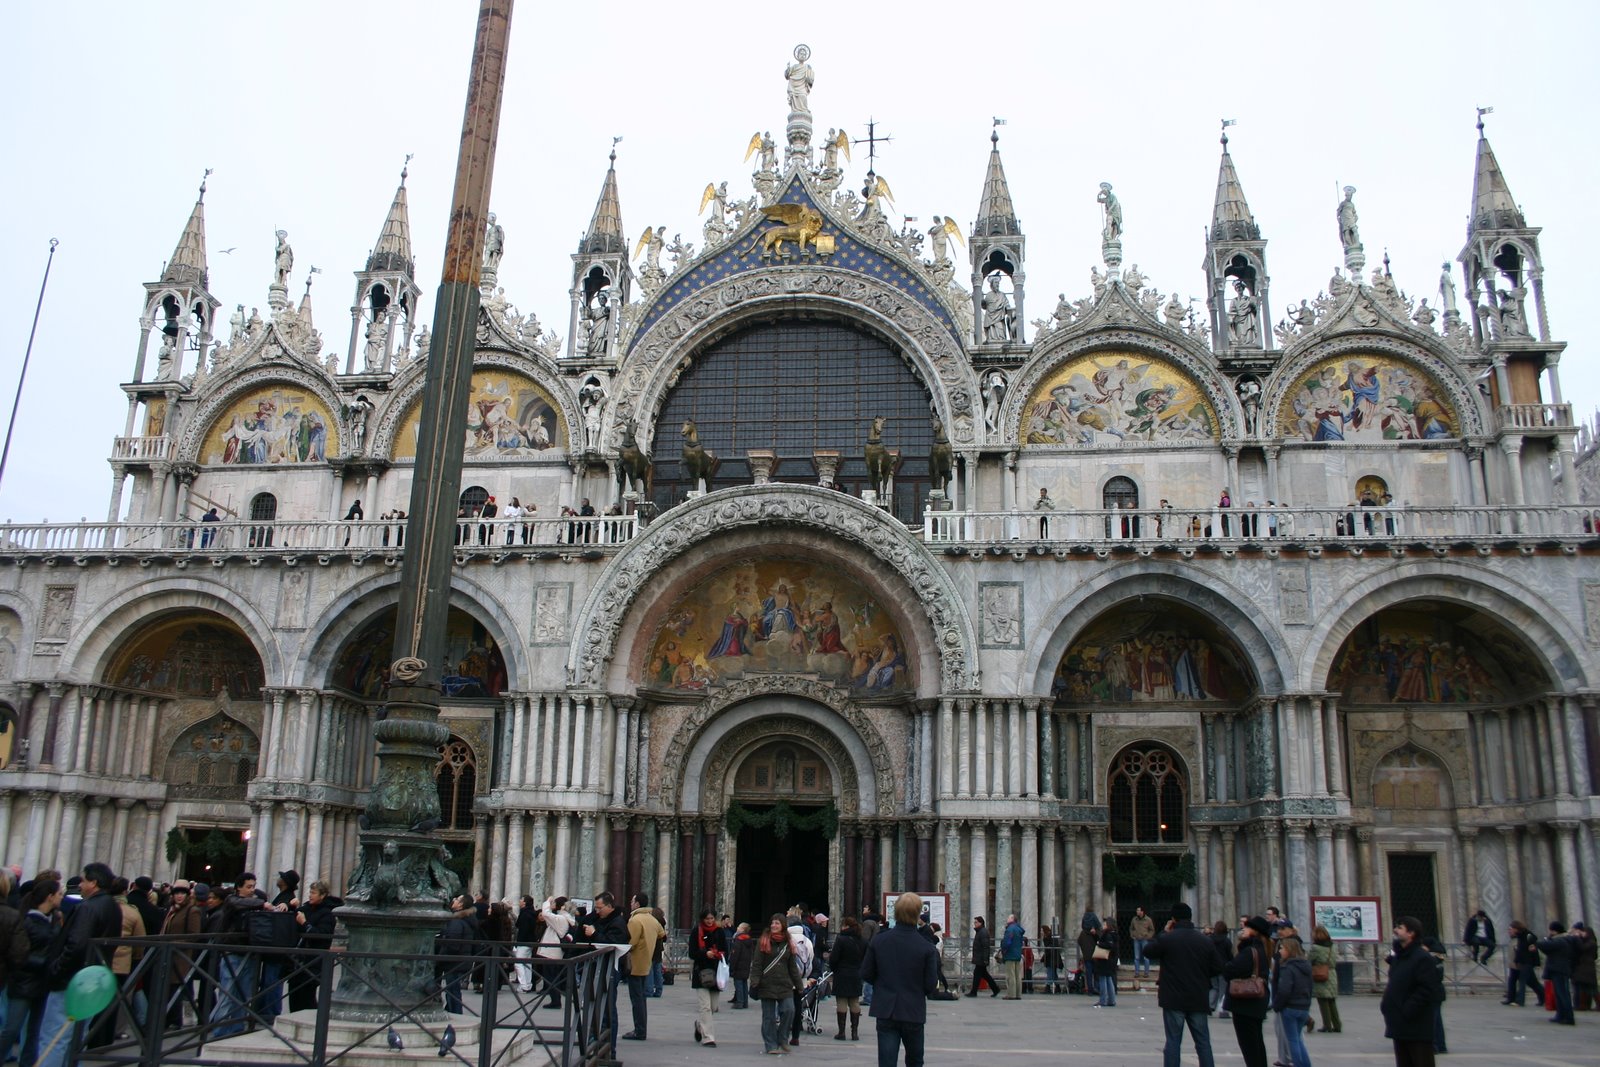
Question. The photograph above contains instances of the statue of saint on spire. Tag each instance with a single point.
(283, 257)
(1349, 229)
(801, 78)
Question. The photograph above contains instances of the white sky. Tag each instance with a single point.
(306, 111)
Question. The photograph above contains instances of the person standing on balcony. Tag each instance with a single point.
(206, 536)
(1044, 505)
(355, 514)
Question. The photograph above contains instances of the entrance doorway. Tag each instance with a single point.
(1412, 890)
(1156, 896)
(772, 873)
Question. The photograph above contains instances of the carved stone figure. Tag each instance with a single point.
(1512, 321)
(801, 78)
(1113, 212)
(494, 243)
(994, 395)
(424, 342)
(166, 360)
(1244, 315)
(680, 251)
(1250, 401)
(1338, 285)
(357, 411)
(1098, 282)
(999, 317)
(236, 327)
(377, 337)
(1447, 290)
(769, 152)
(1349, 228)
(1174, 312)
(1304, 316)
(592, 398)
(939, 239)
(599, 326)
(830, 150)
(283, 259)
(1133, 280)
(1424, 315)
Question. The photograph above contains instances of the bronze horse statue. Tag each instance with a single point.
(635, 469)
(698, 463)
(941, 460)
(880, 462)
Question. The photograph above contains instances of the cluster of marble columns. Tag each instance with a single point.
(92, 730)
(540, 853)
(318, 840)
(1537, 749)
(316, 737)
(41, 829)
(566, 741)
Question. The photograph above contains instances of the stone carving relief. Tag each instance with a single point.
(552, 605)
(1000, 607)
(1591, 613)
(1374, 736)
(55, 622)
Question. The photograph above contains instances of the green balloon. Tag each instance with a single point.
(90, 990)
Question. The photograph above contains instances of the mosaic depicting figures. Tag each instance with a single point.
(1424, 657)
(1115, 398)
(190, 658)
(273, 425)
(779, 616)
(1366, 398)
(473, 665)
(507, 415)
(1157, 656)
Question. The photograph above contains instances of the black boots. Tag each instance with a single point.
(855, 1027)
(840, 1035)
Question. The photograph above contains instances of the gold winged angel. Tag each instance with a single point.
(651, 242)
(939, 236)
(831, 148)
(763, 143)
(800, 226)
(876, 189)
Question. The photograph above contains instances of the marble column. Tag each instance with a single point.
(586, 850)
(1208, 734)
(538, 858)
(1571, 900)
(959, 911)
(1333, 735)
(998, 749)
(1005, 891)
(1030, 878)
(293, 839)
(316, 825)
(1556, 730)
(1231, 905)
(1208, 887)
(980, 748)
(1050, 902)
(619, 755)
(155, 841)
(963, 779)
(1469, 867)
(1366, 869)
(1319, 747)
(1325, 880)
(947, 747)
(1589, 866)
(69, 845)
(1576, 746)
(1018, 745)
(516, 865)
(580, 739)
(1047, 747)
(978, 879)
(93, 831)
(481, 857)
(116, 855)
(497, 857)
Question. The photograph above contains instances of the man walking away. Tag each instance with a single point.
(1408, 1001)
(1011, 945)
(1189, 959)
(980, 958)
(606, 925)
(1558, 951)
(903, 969)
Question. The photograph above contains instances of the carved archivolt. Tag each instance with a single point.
(1448, 373)
(746, 689)
(292, 375)
(657, 358)
(1111, 740)
(766, 506)
(713, 796)
(1052, 353)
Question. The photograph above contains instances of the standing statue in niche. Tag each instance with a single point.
(994, 395)
(377, 338)
(494, 243)
(1244, 317)
(283, 259)
(999, 317)
(1250, 402)
(357, 411)
(801, 78)
(591, 398)
(1349, 228)
(1512, 321)
(237, 331)
(166, 360)
(599, 325)
(1113, 213)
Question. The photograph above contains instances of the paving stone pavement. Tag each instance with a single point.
(1069, 1030)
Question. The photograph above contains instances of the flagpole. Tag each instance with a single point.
(27, 355)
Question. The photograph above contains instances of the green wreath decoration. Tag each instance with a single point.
(1146, 876)
(214, 846)
(781, 820)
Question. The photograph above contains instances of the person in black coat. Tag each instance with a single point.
(903, 970)
(1479, 936)
(849, 952)
(1188, 960)
(1409, 998)
(1559, 951)
(1522, 975)
(1254, 958)
(316, 922)
(980, 958)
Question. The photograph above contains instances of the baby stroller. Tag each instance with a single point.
(1078, 982)
(811, 1003)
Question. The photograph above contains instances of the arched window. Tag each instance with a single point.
(1148, 796)
(474, 497)
(263, 507)
(457, 777)
(1121, 494)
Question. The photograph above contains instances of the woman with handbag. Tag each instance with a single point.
(1105, 964)
(775, 981)
(706, 950)
(1247, 998)
(1324, 983)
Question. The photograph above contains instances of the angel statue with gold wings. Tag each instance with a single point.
(939, 238)
(717, 197)
(651, 242)
(874, 189)
(837, 141)
(763, 143)
(800, 227)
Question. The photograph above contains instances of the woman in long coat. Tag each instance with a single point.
(1105, 964)
(1249, 1013)
(845, 959)
(775, 981)
(1327, 990)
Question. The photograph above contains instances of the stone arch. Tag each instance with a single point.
(1058, 349)
(1470, 408)
(90, 650)
(1546, 632)
(408, 386)
(1116, 766)
(866, 528)
(357, 605)
(1262, 647)
(657, 357)
(760, 708)
(197, 428)
(1441, 801)
(1452, 758)
(213, 759)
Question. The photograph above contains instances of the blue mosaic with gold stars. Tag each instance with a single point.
(742, 254)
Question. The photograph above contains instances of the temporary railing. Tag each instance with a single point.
(473, 536)
(183, 1003)
(1237, 525)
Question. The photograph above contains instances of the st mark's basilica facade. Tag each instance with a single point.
(885, 585)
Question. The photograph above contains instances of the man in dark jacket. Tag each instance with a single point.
(1408, 1000)
(97, 915)
(607, 925)
(903, 969)
(980, 958)
(1558, 951)
(1524, 959)
(1479, 936)
(1188, 960)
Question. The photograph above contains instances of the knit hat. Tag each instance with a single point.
(202, 891)
(1259, 925)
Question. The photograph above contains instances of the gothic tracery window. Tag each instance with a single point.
(1148, 796)
(456, 775)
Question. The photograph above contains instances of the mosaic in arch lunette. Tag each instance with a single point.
(1366, 398)
(507, 415)
(275, 424)
(1112, 398)
(1433, 654)
(779, 616)
(474, 666)
(1165, 655)
(190, 657)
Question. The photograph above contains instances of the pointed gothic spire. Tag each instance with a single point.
(1493, 207)
(1231, 219)
(605, 228)
(393, 250)
(304, 310)
(188, 263)
(996, 216)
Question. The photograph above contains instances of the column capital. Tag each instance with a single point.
(1507, 831)
(1297, 827)
(154, 805)
(1468, 833)
(41, 796)
(1228, 834)
(124, 803)
(73, 798)
(1323, 830)
(1364, 834)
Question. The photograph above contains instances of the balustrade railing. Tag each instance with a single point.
(1257, 525)
(158, 447)
(473, 536)
(1533, 417)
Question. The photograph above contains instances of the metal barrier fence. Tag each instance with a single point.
(211, 1003)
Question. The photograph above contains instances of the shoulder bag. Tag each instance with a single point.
(1320, 971)
(1253, 987)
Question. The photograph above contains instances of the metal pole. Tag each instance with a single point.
(26, 355)
(401, 884)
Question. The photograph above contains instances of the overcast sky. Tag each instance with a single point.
(306, 111)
